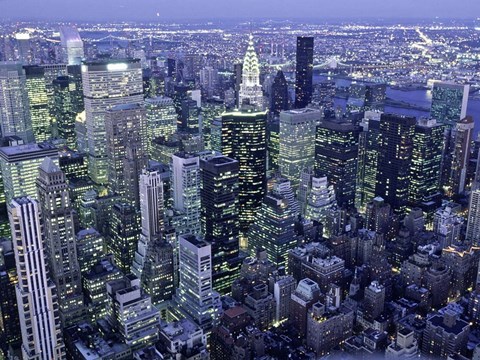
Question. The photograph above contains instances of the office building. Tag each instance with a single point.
(14, 105)
(260, 305)
(425, 168)
(131, 312)
(366, 97)
(89, 249)
(219, 218)
(273, 229)
(38, 102)
(305, 295)
(279, 94)
(42, 338)
(320, 199)
(244, 139)
(304, 72)
(125, 130)
(195, 296)
(283, 289)
(250, 89)
(161, 119)
(297, 142)
(60, 240)
(405, 346)
(460, 155)
(394, 160)
(186, 181)
(336, 153)
(449, 102)
(72, 45)
(19, 165)
(106, 84)
(65, 111)
(123, 235)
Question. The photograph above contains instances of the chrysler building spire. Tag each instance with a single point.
(250, 89)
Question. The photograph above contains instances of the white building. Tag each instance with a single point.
(36, 293)
(321, 198)
(72, 45)
(250, 88)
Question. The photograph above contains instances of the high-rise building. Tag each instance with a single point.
(161, 119)
(72, 45)
(60, 240)
(297, 142)
(250, 89)
(305, 295)
(273, 229)
(38, 102)
(320, 198)
(366, 97)
(394, 159)
(244, 139)
(273, 144)
(64, 111)
(428, 142)
(123, 235)
(304, 72)
(24, 46)
(473, 224)
(14, 106)
(131, 312)
(186, 191)
(106, 84)
(36, 294)
(279, 94)
(219, 217)
(19, 165)
(367, 158)
(336, 154)
(449, 102)
(10, 333)
(460, 155)
(195, 295)
(89, 249)
(374, 302)
(125, 140)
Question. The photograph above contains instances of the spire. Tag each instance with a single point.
(49, 166)
(250, 89)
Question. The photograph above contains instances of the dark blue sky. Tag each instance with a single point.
(247, 9)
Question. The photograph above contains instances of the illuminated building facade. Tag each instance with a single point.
(42, 338)
(219, 217)
(394, 160)
(250, 89)
(304, 72)
(14, 106)
(244, 139)
(38, 102)
(106, 84)
(336, 153)
(161, 119)
(279, 95)
(460, 155)
(297, 142)
(366, 97)
(72, 45)
(64, 111)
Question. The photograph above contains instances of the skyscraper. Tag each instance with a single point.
(463, 134)
(19, 165)
(60, 240)
(38, 101)
(297, 142)
(72, 45)
(366, 97)
(14, 106)
(36, 294)
(220, 224)
(449, 102)
(64, 111)
(304, 72)
(336, 153)
(394, 159)
(320, 198)
(244, 139)
(195, 295)
(161, 119)
(250, 89)
(428, 142)
(125, 134)
(186, 191)
(279, 94)
(274, 229)
(106, 84)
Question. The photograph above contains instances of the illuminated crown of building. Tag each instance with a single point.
(250, 89)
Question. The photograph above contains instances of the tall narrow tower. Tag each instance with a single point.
(304, 72)
(60, 240)
(36, 294)
(250, 89)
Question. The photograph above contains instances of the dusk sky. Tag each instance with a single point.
(246, 9)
